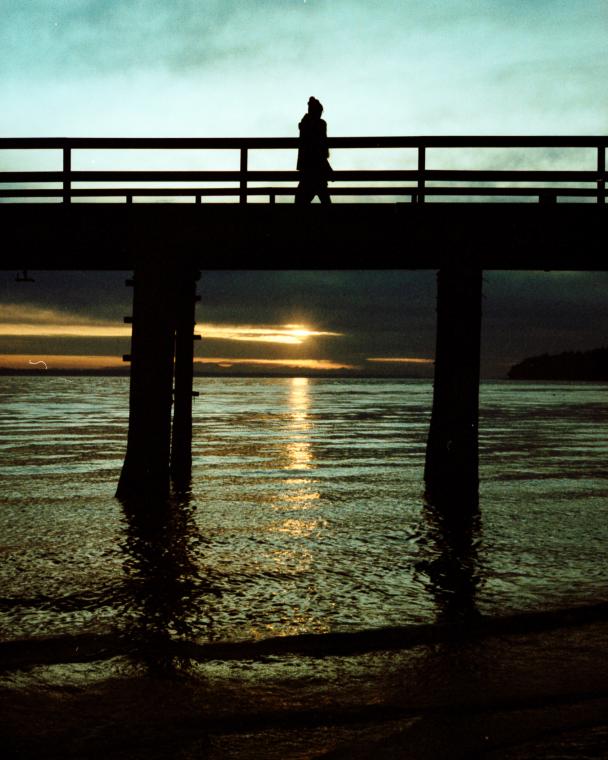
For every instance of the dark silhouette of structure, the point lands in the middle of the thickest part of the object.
(313, 155)
(160, 407)
(451, 469)
(165, 244)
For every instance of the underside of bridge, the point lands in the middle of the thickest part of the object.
(114, 236)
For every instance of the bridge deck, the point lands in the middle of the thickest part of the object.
(110, 236)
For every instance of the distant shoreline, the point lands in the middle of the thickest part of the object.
(575, 366)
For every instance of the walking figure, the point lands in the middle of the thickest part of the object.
(313, 153)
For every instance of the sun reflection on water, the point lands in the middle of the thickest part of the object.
(298, 448)
(298, 492)
(299, 489)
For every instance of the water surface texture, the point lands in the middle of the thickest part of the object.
(306, 511)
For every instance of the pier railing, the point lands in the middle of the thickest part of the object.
(500, 179)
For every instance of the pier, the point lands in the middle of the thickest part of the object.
(167, 225)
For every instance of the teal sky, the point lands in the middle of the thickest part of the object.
(230, 67)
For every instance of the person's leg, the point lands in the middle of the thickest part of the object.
(323, 193)
(304, 193)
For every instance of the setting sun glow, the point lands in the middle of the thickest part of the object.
(24, 321)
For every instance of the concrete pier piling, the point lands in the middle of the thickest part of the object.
(452, 459)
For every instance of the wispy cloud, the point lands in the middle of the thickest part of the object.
(398, 360)
(293, 335)
(64, 331)
(313, 364)
(32, 315)
(20, 320)
(59, 361)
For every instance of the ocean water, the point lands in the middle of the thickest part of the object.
(305, 520)
(306, 513)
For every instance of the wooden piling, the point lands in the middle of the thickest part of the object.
(146, 467)
(452, 460)
(181, 444)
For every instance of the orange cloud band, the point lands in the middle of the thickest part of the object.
(46, 323)
(294, 363)
(73, 361)
(399, 360)
(59, 361)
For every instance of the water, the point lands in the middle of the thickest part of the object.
(305, 516)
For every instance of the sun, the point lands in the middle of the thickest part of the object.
(299, 331)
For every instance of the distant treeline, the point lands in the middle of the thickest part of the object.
(570, 365)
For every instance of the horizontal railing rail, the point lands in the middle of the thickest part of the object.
(67, 184)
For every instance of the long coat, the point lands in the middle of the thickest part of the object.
(313, 152)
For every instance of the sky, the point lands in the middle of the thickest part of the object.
(234, 68)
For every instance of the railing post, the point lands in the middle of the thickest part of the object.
(421, 169)
(67, 168)
(601, 168)
(548, 196)
(243, 183)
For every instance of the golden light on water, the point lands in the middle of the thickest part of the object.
(299, 493)
(299, 452)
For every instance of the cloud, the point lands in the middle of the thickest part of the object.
(34, 316)
(19, 320)
(99, 36)
(242, 362)
(76, 296)
(294, 335)
(59, 361)
(227, 67)
(398, 360)
(377, 314)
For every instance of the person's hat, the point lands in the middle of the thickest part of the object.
(314, 103)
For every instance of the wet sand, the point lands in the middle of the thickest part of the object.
(504, 694)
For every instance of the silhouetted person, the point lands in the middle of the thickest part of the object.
(313, 153)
